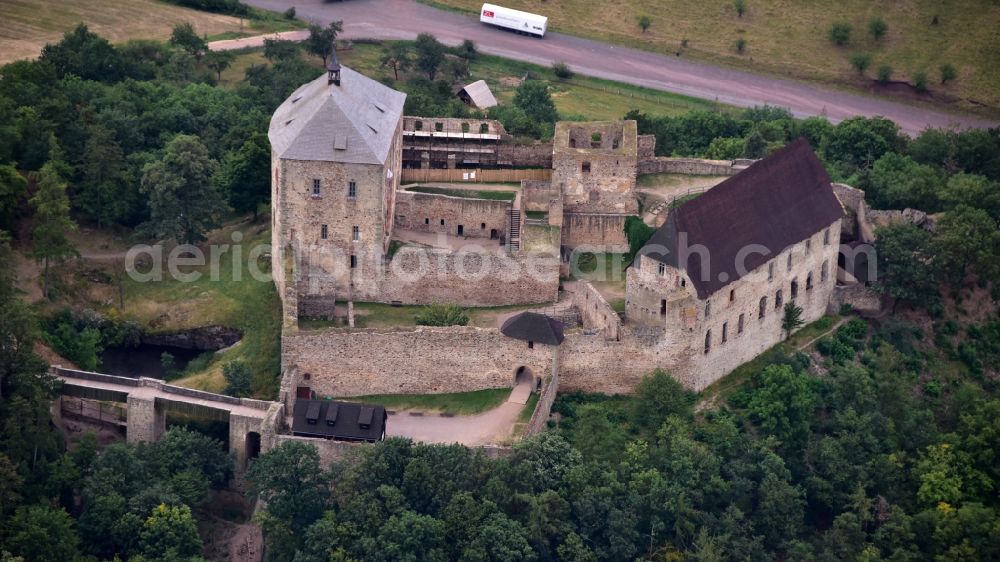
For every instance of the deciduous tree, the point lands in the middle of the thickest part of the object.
(52, 222)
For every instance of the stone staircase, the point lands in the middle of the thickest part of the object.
(515, 230)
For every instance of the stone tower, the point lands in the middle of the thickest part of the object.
(335, 159)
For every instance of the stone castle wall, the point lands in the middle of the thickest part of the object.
(645, 147)
(535, 195)
(605, 232)
(426, 212)
(424, 360)
(690, 166)
(595, 311)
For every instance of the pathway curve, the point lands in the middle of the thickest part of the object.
(404, 19)
(490, 427)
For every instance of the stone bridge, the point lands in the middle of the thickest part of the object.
(253, 424)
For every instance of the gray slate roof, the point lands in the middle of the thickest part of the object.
(480, 94)
(533, 327)
(353, 122)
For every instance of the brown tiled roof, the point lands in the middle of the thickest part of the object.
(776, 202)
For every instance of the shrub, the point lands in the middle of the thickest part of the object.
(948, 73)
(920, 81)
(877, 27)
(290, 13)
(741, 45)
(846, 309)
(238, 376)
(861, 62)
(644, 23)
(840, 33)
(741, 7)
(884, 73)
(562, 70)
(442, 315)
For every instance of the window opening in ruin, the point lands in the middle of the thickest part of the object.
(809, 281)
(418, 125)
(442, 222)
(494, 234)
(531, 345)
(662, 269)
(739, 326)
(770, 271)
(585, 167)
(427, 220)
(460, 230)
(482, 226)
(355, 233)
(663, 307)
(778, 300)
(465, 127)
(354, 261)
(732, 295)
(808, 247)
(484, 128)
(762, 310)
(708, 340)
(725, 331)
(572, 143)
(315, 187)
(439, 127)
(826, 237)
(825, 272)
(795, 289)
(352, 189)
(789, 262)
(683, 282)
(323, 232)
(708, 309)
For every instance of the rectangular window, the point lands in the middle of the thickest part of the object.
(316, 187)
(442, 222)
(708, 309)
(770, 271)
(356, 233)
(789, 261)
(427, 220)
(725, 331)
(662, 269)
(826, 237)
(732, 295)
(739, 326)
(354, 261)
(708, 340)
(663, 307)
(778, 299)
(352, 189)
(323, 232)
(808, 247)
(585, 167)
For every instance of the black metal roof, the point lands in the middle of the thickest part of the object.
(775, 203)
(533, 327)
(348, 421)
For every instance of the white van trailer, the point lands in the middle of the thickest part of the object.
(516, 20)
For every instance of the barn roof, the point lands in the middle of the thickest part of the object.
(480, 95)
(347, 421)
(775, 203)
(533, 327)
(352, 122)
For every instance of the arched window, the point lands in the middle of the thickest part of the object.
(809, 281)
(708, 309)
(778, 301)
(795, 289)
(824, 272)
(762, 309)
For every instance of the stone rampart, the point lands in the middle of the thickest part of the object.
(690, 166)
(427, 212)
(595, 311)
(424, 360)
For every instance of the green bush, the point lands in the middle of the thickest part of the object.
(82, 347)
(562, 70)
(920, 81)
(948, 73)
(442, 315)
(741, 45)
(741, 7)
(884, 73)
(238, 377)
(877, 27)
(840, 33)
(644, 23)
(861, 62)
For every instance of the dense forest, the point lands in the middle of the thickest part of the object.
(884, 446)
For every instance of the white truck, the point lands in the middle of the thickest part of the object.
(516, 20)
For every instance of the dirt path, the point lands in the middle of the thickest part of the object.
(257, 40)
(489, 427)
(404, 19)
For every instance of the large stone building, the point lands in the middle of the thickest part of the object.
(335, 158)
(716, 276)
(705, 294)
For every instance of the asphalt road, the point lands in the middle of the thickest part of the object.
(404, 19)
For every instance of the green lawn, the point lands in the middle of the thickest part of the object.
(460, 403)
(529, 408)
(466, 193)
(789, 38)
(247, 304)
(379, 315)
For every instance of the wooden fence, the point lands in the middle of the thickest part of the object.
(411, 175)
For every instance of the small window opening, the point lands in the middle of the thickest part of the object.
(585, 167)
(762, 308)
(323, 232)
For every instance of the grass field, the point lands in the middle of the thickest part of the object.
(244, 303)
(459, 404)
(378, 315)
(789, 37)
(579, 98)
(27, 25)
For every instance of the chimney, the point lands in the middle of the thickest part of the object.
(333, 68)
